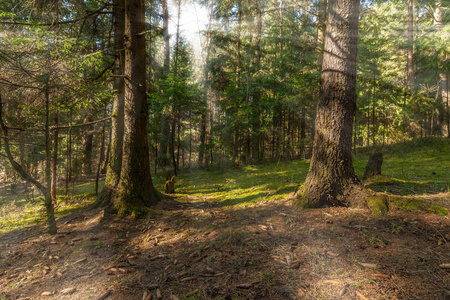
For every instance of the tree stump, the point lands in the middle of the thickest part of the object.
(373, 166)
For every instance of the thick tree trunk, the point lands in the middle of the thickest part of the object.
(331, 179)
(135, 190)
(114, 165)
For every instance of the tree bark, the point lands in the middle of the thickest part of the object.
(48, 203)
(321, 26)
(443, 87)
(135, 190)
(55, 158)
(331, 179)
(165, 122)
(256, 118)
(88, 139)
(410, 65)
(114, 165)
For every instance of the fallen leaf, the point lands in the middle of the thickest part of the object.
(46, 294)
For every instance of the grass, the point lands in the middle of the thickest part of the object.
(411, 169)
(20, 209)
(244, 186)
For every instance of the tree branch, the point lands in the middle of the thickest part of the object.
(79, 125)
(95, 12)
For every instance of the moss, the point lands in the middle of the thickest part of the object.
(408, 203)
(439, 210)
(378, 204)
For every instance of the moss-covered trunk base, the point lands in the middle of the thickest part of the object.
(133, 199)
(339, 192)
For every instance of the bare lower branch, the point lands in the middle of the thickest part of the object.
(14, 164)
(95, 12)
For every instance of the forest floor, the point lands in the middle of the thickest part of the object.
(234, 234)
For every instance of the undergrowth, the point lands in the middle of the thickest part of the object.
(411, 171)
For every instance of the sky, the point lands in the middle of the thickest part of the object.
(193, 19)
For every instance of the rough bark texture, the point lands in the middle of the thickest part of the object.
(135, 190)
(114, 165)
(331, 179)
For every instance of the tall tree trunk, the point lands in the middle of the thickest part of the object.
(135, 190)
(55, 158)
(331, 179)
(443, 87)
(256, 118)
(165, 121)
(48, 203)
(410, 63)
(114, 165)
(206, 113)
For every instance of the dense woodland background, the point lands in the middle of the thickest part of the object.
(250, 97)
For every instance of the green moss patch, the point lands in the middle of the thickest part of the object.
(439, 210)
(378, 204)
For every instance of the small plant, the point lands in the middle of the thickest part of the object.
(373, 241)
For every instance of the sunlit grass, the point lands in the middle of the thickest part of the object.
(22, 210)
(410, 169)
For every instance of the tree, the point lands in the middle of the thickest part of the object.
(114, 165)
(135, 189)
(331, 179)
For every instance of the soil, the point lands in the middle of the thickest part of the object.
(193, 249)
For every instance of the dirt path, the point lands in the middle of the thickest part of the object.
(194, 249)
